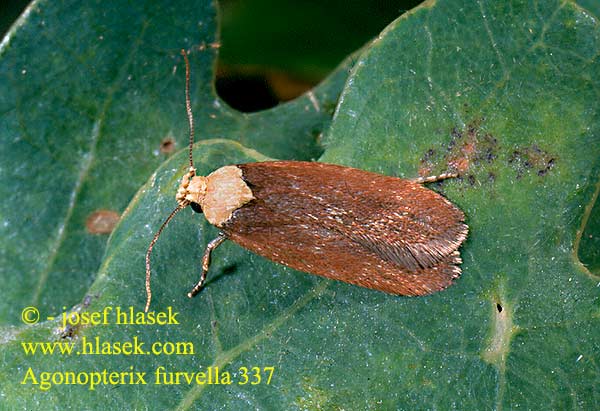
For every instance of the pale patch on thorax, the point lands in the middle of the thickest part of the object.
(226, 191)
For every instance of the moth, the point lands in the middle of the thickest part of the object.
(375, 231)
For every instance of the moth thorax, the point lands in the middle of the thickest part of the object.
(219, 194)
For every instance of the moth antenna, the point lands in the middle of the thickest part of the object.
(151, 246)
(188, 104)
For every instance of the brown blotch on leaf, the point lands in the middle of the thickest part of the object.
(468, 147)
(531, 158)
(425, 171)
(102, 221)
(167, 146)
(427, 161)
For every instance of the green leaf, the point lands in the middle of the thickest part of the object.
(504, 91)
(508, 94)
(588, 249)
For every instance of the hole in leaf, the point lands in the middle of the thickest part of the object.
(270, 46)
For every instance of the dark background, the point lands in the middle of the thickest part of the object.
(273, 50)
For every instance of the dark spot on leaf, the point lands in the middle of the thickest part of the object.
(468, 147)
(72, 329)
(455, 133)
(102, 221)
(167, 146)
(87, 300)
(529, 158)
(69, 332)
(429, 154)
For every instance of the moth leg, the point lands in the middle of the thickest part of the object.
(433, 179)
(206, 262)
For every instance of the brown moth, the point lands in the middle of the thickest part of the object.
(375, 231)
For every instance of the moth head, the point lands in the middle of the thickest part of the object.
(191, 191)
